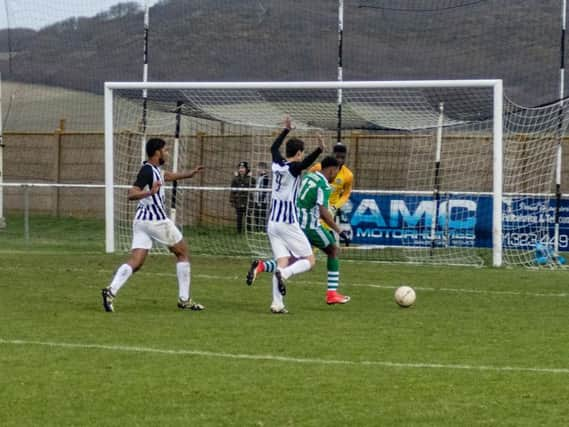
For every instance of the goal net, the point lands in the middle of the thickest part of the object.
(446, 172)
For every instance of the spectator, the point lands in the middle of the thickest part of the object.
(239, 198)
(262, 196)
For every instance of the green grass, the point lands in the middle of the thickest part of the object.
(50, 233)
(481, 347)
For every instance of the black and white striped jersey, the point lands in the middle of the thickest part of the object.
(284, 193)
(286, 182)
(153, 207)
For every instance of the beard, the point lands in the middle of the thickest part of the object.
(161, 161)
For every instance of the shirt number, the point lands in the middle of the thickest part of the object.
(278, 180)
(307, 187)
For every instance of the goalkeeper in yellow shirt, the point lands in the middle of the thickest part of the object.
(343, 183)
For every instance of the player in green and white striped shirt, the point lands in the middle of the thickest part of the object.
(312, 204)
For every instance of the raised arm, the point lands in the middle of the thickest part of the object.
(175, 176)
(275, 148)
(311, 158)
(297, 168)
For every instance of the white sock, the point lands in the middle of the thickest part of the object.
(120, 278)
(277, 297)
(298, 267)
(183, 273)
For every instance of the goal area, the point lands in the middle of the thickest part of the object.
(446, 172)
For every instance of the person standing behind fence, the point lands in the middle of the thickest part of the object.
(239, 198)
(262, 196)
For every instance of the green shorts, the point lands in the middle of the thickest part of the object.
(319, 237)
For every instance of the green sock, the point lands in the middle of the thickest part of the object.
(333, 266)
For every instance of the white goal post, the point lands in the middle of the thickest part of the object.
(497, 114)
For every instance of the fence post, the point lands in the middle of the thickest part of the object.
(26, 212)
(356, 152)
(58, 133)
(201, 137)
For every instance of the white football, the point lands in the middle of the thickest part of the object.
(405, 296)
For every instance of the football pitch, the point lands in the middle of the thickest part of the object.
(480, 347)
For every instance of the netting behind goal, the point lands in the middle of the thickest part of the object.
(422, 157)
(530, 204)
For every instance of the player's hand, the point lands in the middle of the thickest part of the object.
(196, 170)
(287, 122)
(155, 187)
(345, 237)
(320, 140)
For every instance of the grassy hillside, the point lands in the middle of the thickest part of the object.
(294, 40)
(39, 108)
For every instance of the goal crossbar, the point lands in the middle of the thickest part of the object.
(475, 83)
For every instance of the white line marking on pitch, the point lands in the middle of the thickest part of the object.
(393, 287)
(270, 357)
(357, 285)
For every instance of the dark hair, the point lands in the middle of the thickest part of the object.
(339, 148)
(293, 146)
(153, 145)
(329, 161)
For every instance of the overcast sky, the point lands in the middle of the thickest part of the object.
(39, 13)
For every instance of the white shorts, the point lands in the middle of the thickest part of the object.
(287, 240)
(162, 231)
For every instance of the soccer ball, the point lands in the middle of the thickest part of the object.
(405, 296)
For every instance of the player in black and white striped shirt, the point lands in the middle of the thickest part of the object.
(290, 246)
(151, 223)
